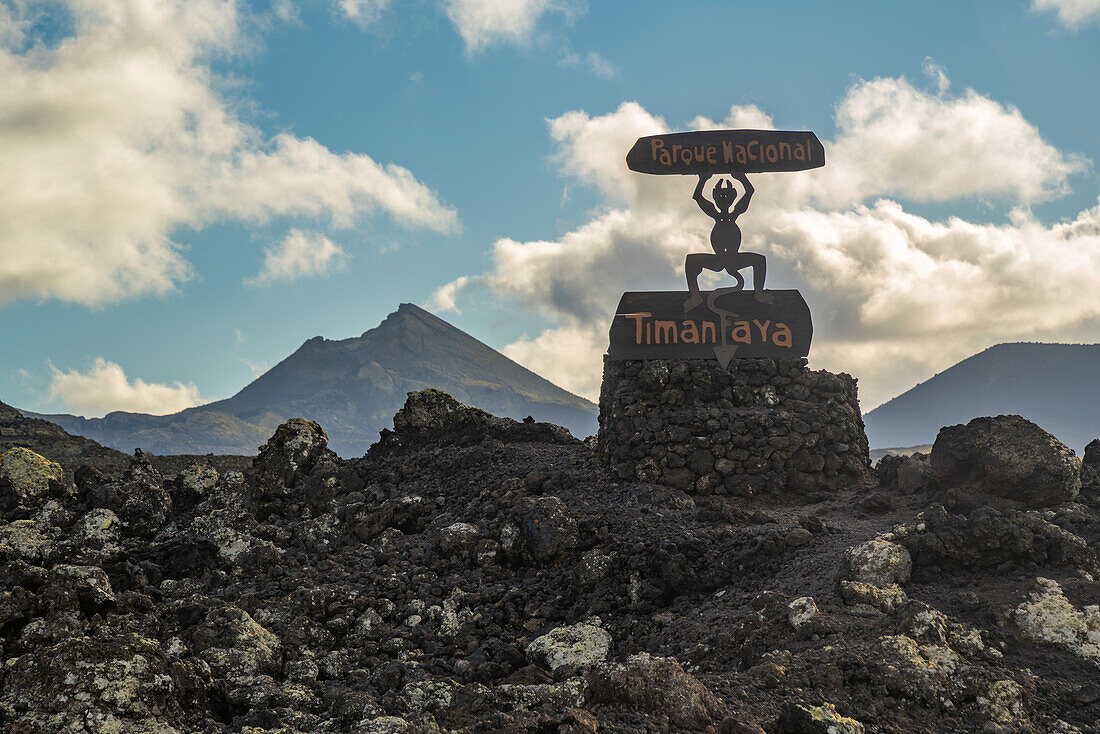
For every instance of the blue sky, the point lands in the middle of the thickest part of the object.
(194, 189)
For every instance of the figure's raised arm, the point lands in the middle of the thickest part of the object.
(707, 207)
(743, 203)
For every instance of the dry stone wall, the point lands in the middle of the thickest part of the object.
(758, 425)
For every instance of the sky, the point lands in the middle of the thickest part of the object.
(190, 189)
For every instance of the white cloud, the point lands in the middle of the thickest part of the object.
(895, 296)
(105, 388)
(1071, 13)
(299, 255)
(445, 298)
(120, 136)
(362, 12)
(483, 23)
(592, 62)
(286, 11)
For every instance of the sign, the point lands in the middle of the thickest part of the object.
(733, 323)
(726, 151)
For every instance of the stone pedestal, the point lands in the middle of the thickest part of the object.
(758, 425)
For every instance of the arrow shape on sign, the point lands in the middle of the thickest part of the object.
(724, 354)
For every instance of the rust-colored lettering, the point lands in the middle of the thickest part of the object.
(656, 145)
(781, 337)
(712, 154)
(742, 333)
(727, 151)
(752, 157)
(689, 334)
(638, 318)
(799, 152)
(666, 332)
(708, 326)
(785, 151)
(741, 155)
(771, 153)
(763, 328)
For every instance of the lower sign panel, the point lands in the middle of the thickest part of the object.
(727, 324)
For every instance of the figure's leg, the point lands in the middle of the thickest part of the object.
(759, 265)
(693, 266)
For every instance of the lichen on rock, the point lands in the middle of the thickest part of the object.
(566, 651)
(28, 473)
(1048, 617)
(878, 562)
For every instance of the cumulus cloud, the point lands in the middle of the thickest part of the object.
(1071, 13)
(592, 62)
(299, 255)
(445, 298)
(105, 388)
(120, 135)
(895, 295)
(362, 12)
(483, 23)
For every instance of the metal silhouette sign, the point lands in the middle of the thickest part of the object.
(727, 322)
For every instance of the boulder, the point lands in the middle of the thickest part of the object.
(434, 416)
(1008, 458)
(593, 567)
(113, 683)
(193, 485)
(457, 538)
(1090, 471)
(802, 612)
(883, 598)
(547, 531)
(655, 685)
(98, 528)
(28, 475)
(235, 645)
(567, 651)
(990, 538)
(91, 583)
(933, 674)
(291, 453)
(1047, 617)
(1001, 704)
(25, 540)
(878, 562)
(922, 623)
(798, 718)
(139, 500)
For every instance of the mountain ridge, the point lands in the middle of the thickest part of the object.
(353, 387)
(1054, 385)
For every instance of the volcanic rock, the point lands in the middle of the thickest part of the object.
(1048, 617)
(139, 499)
(934, 674)
(824, 719)
(28, 475)
(654, 685)
(567, 651)
(988, 538)
(878, 562)
(1008, 458)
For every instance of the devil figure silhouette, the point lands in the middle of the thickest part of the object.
(725, 238)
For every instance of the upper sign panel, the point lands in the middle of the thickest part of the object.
(726, 151)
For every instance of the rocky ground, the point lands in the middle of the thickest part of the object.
(476, 574)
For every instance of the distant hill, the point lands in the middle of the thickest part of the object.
(352, 387)
(1055, 385)
(53, 442)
